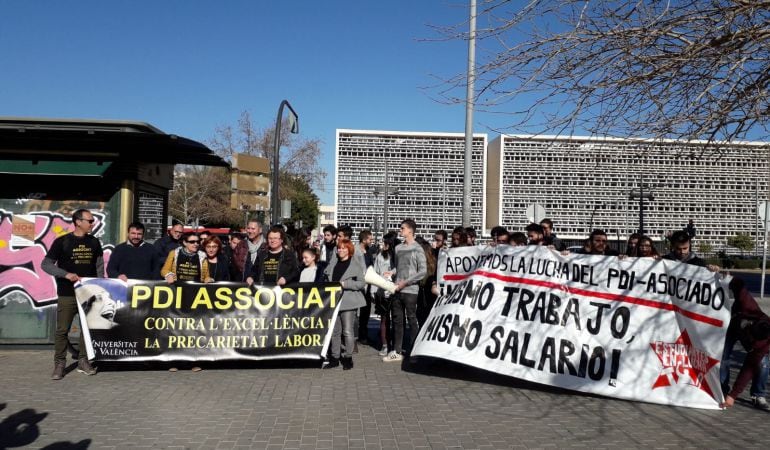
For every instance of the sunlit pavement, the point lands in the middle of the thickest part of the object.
(424, 404)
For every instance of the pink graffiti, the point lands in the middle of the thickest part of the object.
(20, 268)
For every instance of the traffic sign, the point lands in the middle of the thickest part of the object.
(535, 213)
(763, 210)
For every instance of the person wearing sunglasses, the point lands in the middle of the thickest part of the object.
(70, 257)
(186, 263)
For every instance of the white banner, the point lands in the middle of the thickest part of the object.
(632, 328)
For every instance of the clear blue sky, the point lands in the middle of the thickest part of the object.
(190, 66)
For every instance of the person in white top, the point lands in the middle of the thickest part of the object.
(310, 260)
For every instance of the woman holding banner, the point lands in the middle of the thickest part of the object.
(219, 264)
(349, 273)
(186, 263)
(646, 249)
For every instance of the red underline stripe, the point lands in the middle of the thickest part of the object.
(586, 293)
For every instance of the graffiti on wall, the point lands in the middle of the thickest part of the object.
(24, 242)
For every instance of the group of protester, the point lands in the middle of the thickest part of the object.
(403, 258)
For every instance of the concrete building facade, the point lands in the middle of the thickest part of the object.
(586, 183)
(582, 183)
(424, 177)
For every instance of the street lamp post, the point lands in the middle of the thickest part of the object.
(633, 194)
(275, 205)
(385, 190)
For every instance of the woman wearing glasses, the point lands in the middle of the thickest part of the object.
(646, 249)
(219, 264)
(186, 263)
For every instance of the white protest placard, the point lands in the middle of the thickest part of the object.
(635, 328)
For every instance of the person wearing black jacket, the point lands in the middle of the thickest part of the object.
(170, 241)
(365, 240)
(276, 265)
(681, 250)
(219, 263)
(135, 258)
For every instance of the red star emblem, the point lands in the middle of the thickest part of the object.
(683, 364)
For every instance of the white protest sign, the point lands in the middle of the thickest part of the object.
(637, 328)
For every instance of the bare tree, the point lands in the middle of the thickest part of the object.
(689, 69)
(299, 157)
(201, 196)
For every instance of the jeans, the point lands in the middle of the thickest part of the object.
(758, 384)
(66, 308)
(404, 302)
(344, 326)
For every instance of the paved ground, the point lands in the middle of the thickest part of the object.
(375, 405)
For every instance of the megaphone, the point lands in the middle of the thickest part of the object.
(378, 280)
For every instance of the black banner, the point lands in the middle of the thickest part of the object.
(152, 320)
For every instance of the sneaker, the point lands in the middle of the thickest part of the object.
(58, 371)
(760, 403)
(393, 356)
(384, 351)
(85, 367)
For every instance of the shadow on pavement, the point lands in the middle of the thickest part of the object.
(438, 367)
(21, 429)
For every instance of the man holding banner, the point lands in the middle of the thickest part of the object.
(72, 256)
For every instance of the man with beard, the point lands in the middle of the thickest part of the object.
(328, 245)
(535, 234)
(597, 244)
(135, 258)
(681, 250)
(276, 264)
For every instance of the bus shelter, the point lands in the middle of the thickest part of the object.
(122, 171)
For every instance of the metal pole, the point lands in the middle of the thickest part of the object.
(641, 205)
(443, 202)
(275, 205)
(766, 220)
(385, 196)
(756, 222)
(764, 256)
(469, 100)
